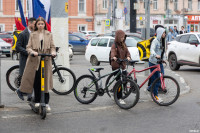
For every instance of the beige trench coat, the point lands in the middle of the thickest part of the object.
(33, 63)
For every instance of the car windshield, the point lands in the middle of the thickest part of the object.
(92, 33)
(5, 36)
(80, 34)
(131, 42)
(136, 38)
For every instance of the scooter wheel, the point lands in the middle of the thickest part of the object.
(43, 112)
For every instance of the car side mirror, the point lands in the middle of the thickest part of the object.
(81, 40)
(194, 42)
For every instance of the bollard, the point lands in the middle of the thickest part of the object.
(1, 106)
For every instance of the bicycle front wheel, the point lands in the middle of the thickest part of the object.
(63, 81)
(85, 89)
(13, 78)
(169, 94)
(126, 94)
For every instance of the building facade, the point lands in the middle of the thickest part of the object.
(171, 13)
(81, 15)
(8, 11)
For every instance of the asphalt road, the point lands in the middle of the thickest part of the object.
(103, 116)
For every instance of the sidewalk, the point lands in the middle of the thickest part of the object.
(66, 104)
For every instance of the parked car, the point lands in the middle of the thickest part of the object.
(5, 48)
(6, 37)
(90, 34)
(184, 50)
(98, 49)
(78, 43)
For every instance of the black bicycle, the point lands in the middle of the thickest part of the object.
(61, 77)
(88, 87)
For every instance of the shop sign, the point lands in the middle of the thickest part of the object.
(193, 18)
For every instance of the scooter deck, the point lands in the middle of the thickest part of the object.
(36, 110)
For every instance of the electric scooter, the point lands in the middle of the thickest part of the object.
(42, 108)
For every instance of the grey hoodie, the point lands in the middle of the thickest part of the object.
(156, 46)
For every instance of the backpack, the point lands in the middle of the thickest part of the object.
(144, 48)
(110, 54)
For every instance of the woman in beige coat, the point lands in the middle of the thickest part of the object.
(40, 41)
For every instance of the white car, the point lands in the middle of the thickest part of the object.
(98, 49)
(4, 48)
(90, 34)
(184, 50)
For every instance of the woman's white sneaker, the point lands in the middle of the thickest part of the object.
(37, 105)
(121, 101)
(48, 108)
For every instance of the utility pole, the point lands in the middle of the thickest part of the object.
(147, 23)
(59, 28)
(132, 16)
(113, 15)
(1, 106)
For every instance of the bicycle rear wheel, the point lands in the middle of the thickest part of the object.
(85, 89)
(130, 94)
(169, 94)
(13, 78)
(61, 79)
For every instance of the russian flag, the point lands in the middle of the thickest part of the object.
(39, 8)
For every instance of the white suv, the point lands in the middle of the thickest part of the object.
(98, 49)
(184, 50)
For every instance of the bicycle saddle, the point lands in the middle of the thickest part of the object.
(97, 69)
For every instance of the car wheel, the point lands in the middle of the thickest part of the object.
(173, 62)
(94, 61)
(7, 55)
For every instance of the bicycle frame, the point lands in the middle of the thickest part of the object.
(101, 77)
(157, 68)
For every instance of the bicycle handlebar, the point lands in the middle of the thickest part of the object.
(42, 55)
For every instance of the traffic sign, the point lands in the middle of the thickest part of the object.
(107, 22)
(125, 10)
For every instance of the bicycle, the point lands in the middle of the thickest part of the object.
(167, 92)
(88, 87)
(61, 76)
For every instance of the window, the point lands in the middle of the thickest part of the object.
(175, 5)
(178, 38)
(74, 38)
(155, 4)
(82, 28)
(103, 42)
(193, 38)
(199, 5)
(94, 42)
(184, 39)
(131, 43)
(17, 6)
(111, 42)
(166, 4)
(105, 4)
(81, 6)
(1, 5)
(2, 27)
(190, 5)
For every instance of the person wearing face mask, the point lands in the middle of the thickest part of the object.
(21, 44)
(157, 51)
(40, 42)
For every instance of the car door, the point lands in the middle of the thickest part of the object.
(78, 43)
(193, 49)
(101, 49)
(181, 48)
